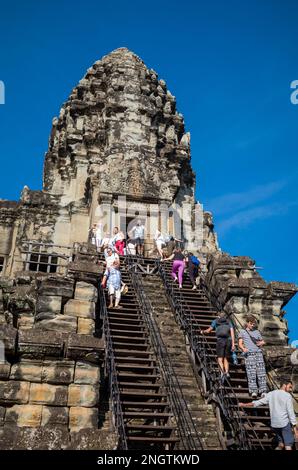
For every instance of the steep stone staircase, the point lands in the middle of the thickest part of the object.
(174, 339)
(144, 397)
(142, 401)
(253, 423)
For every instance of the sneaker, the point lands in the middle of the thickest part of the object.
(180, 286)
(228, 375)
(254, 395)
(263, 394)
(194, 288)
(175, 279)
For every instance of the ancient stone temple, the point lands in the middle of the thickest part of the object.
(119, 152)
(118, 135)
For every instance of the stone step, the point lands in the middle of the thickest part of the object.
(174, 340)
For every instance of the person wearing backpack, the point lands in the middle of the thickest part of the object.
(193, 264)
(225, 341)
(250, 343)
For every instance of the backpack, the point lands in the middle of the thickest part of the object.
(222, 328)
(195, 260)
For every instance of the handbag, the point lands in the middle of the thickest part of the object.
(255, 341)
(124, 289)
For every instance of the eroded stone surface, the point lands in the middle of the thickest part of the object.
(80, 308)
(54, 415)
(85, 291)
(24, 415)
(12, 392)
(47, 394)
(86, 373)
(82, 395)
(119, 133)
(82, 418)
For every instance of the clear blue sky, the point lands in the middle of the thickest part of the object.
(230, 65)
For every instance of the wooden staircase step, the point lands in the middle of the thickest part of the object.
(144, 404)
(130, 352)
(139, 385)
(150, 427)
(151, 439)
(146, 415)
(123, 361)
(127, 319)
(122, 326)
(151, 377)
(143, 395)
(135, 346)
(130, 340)
(128, 333)
(133, 367)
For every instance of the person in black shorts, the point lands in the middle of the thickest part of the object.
(138, 235)
(225, 343)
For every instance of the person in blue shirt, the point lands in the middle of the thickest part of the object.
(113, 276)
(225, 343)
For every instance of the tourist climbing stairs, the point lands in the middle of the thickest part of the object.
(200, 414)
(142, 411)
(244, 428)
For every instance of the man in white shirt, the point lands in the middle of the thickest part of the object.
(283, 419)
(139, 234)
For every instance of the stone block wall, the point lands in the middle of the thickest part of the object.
(50, 373)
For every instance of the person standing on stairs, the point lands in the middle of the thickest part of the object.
(225, 341)
(106, 242)
(250, 343)
(193, 264)
(92, 234)
(118, 241)
(178, 265)
(113, 277)
(159, 243)
(139, 236)
(171, 243)
(283, 419)
(111, 258)
(98, 235)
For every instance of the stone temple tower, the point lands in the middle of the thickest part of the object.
(118, 152)
(118, 138)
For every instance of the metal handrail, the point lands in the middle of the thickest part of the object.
(186, 428)
(203, 351)
(272, 383)
(112, 374)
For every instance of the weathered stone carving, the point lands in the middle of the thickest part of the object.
(118, 134)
